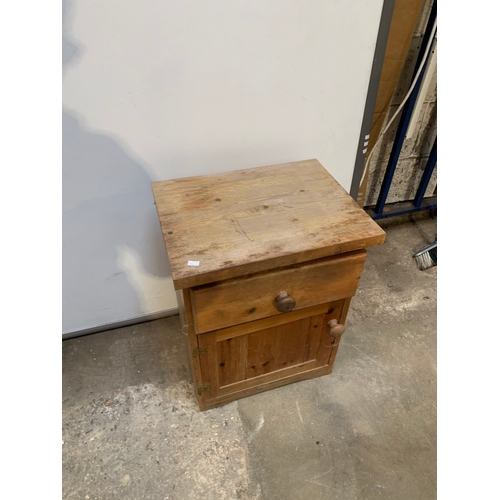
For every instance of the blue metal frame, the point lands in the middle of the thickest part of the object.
(380, 211)
(426, 177)
(403, 208)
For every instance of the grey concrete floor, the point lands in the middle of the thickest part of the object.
(131, 428)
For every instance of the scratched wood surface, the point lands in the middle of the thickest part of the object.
(257, 219)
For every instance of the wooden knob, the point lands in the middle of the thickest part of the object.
(284, 302)
(336, 330)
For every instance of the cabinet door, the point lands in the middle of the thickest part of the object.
(254, 357)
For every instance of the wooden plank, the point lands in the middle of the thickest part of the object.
(292, 343)
(258, 219)
(404, 19)
(326, 342)
(232, 360)
(277, 348)
(265, 386)
(208, 363)
(185, 312)
(182, 307)
(345, 310)
(261, 357)
(193, 309)
(314, 336)
(315, 332)
(264, 378)
(251, 298)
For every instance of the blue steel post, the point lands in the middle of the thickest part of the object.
(405, 119)
(426, 177)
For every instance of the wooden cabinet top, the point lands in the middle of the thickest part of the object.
(232, 224)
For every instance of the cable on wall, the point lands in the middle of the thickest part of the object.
(417, 75)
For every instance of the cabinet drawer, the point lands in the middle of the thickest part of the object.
(253, 297)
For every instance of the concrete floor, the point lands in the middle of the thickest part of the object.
(131, 428)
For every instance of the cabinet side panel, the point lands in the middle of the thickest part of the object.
(186, 316)
(208, 361)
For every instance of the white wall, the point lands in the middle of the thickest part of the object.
(161, 89)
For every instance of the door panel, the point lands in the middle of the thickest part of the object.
(232, 359)
(251, 359)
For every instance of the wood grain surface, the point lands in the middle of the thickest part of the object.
(251, 220)
(250, 298)
(256, 357)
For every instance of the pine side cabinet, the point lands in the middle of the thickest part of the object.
(265, 262)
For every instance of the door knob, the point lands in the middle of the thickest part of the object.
(336, 330)
(284, 302)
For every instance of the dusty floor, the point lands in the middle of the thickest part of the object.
(131, 428)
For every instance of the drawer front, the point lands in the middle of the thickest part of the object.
(250, 298)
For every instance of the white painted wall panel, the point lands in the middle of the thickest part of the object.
(163, 89)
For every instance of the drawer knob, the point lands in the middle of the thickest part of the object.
(336, 330)
(284, 302)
